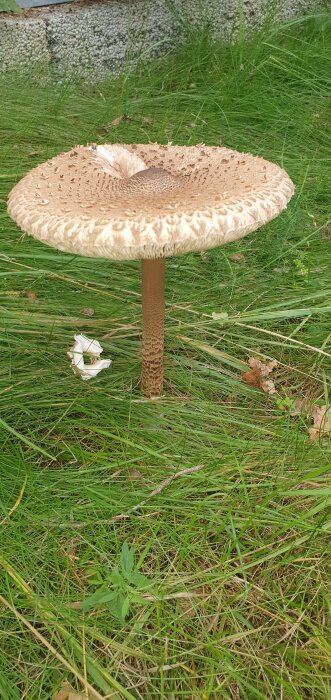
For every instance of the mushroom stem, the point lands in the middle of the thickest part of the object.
(152, 291)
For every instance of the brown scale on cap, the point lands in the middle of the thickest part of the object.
(148, 201)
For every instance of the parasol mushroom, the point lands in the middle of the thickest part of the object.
(148, 201)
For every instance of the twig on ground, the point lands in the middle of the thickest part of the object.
(155, 492)
(181, 595)
(164, 485)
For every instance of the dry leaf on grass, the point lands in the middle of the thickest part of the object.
(115, 122)
(118, 120)
(134, 474)
(256, 376)
(269, 387)
(237, 257)
(67, 692)
(104, 128)
(31, 295)
(321, 416)
(299, 407)
(87, 312)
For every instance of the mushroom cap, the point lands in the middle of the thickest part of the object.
(125, 202)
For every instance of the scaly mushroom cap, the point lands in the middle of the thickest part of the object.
(147, 201)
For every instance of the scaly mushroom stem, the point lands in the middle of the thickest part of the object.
(152, 290)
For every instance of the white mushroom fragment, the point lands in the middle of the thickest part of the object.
(93, 349)
(148, 201)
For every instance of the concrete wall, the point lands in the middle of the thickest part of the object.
(94, 38)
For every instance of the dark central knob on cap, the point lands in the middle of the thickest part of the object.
(151, 181)
(152, 172)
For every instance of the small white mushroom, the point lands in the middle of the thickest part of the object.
(93, 349)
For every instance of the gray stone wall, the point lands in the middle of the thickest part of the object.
(102, 37)
(92, 39)
(22, 42)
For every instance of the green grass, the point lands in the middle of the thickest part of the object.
(237, 552)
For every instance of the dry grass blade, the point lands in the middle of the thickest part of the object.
(215, 352)
(16, 504)
(52, 649)
(294, 341)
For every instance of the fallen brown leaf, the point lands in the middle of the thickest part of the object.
(299, 407)
(237, 257)
(268, 386)
(321, 416)
(256, 375)
(118, 120)
(134, 474)
(31, 295)
(87, 312)
(67, 692)
(104, 128)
